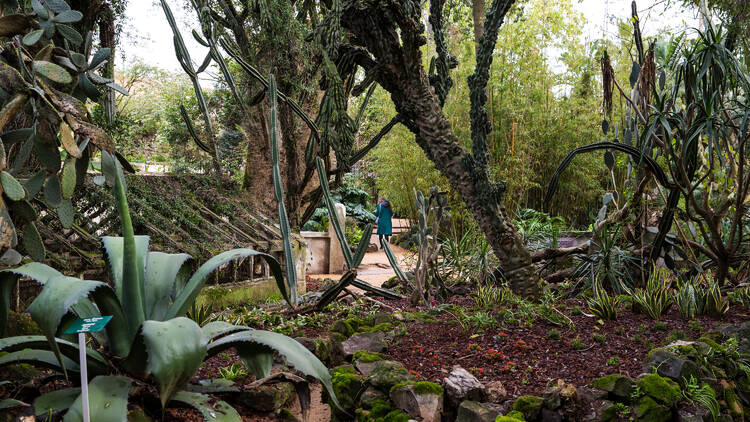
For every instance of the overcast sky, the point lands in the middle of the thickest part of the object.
(149, 37)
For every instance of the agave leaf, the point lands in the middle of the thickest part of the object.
(108, 400)
(133, 258)
(295, 353)
(185, 299)
(39, 358)
(96, 361)
(56, 299)
(36, 271)
(215, 329)
(175, 350)
(11, 187)
(216, 385)
(118, 330)
(113, 247)
(212, 410)
(257, 357)
(55, 401)
(159, 282)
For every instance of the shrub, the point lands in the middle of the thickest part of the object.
(656, 299)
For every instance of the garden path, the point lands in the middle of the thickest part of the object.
(375, 268)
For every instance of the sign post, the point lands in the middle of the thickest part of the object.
(82, 326)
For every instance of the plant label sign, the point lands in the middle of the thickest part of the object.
(88, 325)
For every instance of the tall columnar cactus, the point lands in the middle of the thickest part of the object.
(430, 213)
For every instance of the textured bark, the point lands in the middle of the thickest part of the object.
(392, 33)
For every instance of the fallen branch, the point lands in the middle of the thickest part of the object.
(552, 253)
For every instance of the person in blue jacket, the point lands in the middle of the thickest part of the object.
(384, 213)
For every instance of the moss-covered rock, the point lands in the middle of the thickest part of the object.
(513, 416)
(370, 397)
(471, 411)
(529, 406)
(664, 390)
(381, 411)
(347, 385)
(368, 357)
(269, 397)
(422, 387)
(20, 324)
(618, 386)
(648, 410)
(388, 373)
(343, 327)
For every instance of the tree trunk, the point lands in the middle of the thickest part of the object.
(477, 12)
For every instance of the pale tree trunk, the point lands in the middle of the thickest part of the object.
(477, 13)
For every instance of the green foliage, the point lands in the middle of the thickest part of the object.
(537, 228)
(655, 299)
(713, 301)
(234, 372)
(602, 304)
(467, 256)
(147, 336)
(695, 392)
(489, 296)
(688, 298)
(357, 202)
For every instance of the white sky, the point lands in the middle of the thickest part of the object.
(149, 37)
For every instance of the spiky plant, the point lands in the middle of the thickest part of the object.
(655, 299)
(148, 341)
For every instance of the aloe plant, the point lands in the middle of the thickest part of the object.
(148, 338)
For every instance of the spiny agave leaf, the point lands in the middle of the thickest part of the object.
(100, 57)
(66, 213)
(33, 37)
(32, 243)
(295, 353)
(12, 25)
(257, 358)
(186, 298)
(52, 71)
(53, 191)
(57, 6)
(39, 358)
(69, 349)
(70, 34)
(114, 250)
(212, 410)
(216, 385)
(215, 329)
(108, 400)
(11, 187)
(159, 284)
(56, 299)
(68, 16)
(55, 401)
(175, 349)
(34, 184)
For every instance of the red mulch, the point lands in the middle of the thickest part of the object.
(432, 348)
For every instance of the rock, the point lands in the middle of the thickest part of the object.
(472, 411)
(460, 385)
(342, 327)
(365, 361)
(530, 406)
(649, 410)
(422, 400)
(513, 416)
(388, 373)
(382, 318)
(670, 365)
(370, 397)
(664, 390)
(372, 247)
(308, 343)
(496, 392)
(347, 385)
(618, 386)
(370, 342)
(693, 416)
(268, 397)
(548, 415)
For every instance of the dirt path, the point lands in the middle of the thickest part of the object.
(375, 268)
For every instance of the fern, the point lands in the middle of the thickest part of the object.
(702, 394)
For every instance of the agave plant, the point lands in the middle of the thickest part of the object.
(148, 339)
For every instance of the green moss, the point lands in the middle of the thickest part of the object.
(618, 386)
(529, 406)
(381, 412)
(343, 327)
(513, 416)
(21, 324)
(422, 387)
(384, 327)
(347, 385)
(366, 357)
(388, 373)
(662, 389)
(651, 411)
